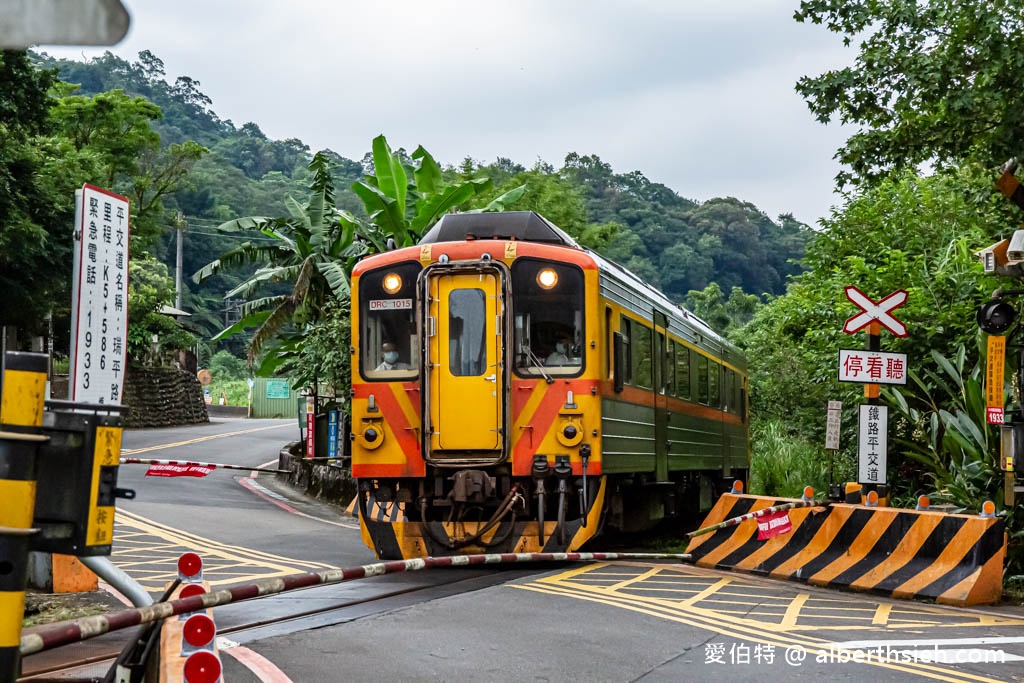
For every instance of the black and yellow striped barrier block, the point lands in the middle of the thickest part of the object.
(953, 559)
(21, 417)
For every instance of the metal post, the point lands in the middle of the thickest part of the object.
(21, 421)
(179, 224)
(112, 574)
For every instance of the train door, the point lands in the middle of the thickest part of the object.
(465, 374)
(661, 373)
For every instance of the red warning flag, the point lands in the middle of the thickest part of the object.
(188, 470)
(774, 525)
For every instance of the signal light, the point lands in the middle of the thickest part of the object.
(988, 509)
(808, 493)
(190, 568)
(996, 316)
(190, 590)
(923, 502)
(202, 667)
(737, 487)
(199, 631)
(872, 499)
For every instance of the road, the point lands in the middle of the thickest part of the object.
(227, 517)
(621, 621)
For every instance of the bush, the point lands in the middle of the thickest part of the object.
(225, 366)
(782, 463)
(236, 390)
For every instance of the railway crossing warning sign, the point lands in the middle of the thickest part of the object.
(874, 425)
(876, 310)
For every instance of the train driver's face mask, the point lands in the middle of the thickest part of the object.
(390, 356)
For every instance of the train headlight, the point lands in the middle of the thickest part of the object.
(392, 283)
(547, 278)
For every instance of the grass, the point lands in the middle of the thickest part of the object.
(44, 608)
(782, 464)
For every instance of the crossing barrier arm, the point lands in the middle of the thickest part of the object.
(66, 632)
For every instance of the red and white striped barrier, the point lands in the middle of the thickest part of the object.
(189, 468)
(754, 515)
(47, 637)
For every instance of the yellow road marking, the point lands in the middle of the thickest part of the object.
(793, 610)
(882, 614)
(707, 592)
(223, 563)
(147, 449)
(740, 632)
(636, 578)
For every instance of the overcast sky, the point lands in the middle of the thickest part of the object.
(695, 94)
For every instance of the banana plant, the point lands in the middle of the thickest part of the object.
(948, 431)
(314, 248)
(404, 202)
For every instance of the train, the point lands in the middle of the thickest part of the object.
(513, 391)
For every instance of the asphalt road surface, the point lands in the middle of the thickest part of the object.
(621, 621)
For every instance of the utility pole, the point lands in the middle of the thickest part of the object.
(179, 223)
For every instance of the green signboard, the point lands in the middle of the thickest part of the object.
(278, 388)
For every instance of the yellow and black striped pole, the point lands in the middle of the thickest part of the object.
(21, 421)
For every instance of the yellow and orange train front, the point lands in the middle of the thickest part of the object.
(476, 407)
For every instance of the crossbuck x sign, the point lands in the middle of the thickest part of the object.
(871, 310)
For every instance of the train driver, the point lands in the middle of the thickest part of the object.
(391, 362)
(563, 347)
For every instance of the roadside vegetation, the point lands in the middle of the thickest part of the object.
(933, 91)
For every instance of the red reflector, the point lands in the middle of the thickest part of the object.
(198, 630)
(191, 589)
(190, 564)
(202, 667)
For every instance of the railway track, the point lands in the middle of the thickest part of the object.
(280, 614)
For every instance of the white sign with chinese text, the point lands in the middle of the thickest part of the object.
(874, 425)
(872, 367)
(835, 414)
(99, 317)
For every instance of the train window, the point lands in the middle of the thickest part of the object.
(641, 345)
(729, 391)
(682, 371)
(668, 366)
(608, 362)
(702, 379)
(389, 345)
(714, 384)
(547, 302)
(627, 337)
(466, 327)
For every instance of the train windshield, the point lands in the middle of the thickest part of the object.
(547, 301)
(389, 345)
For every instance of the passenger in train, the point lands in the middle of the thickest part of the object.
(390, 354)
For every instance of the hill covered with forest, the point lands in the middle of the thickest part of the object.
(675, 243)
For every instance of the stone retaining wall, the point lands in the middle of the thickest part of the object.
(163, 397)
(316, 477)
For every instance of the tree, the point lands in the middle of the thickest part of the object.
(150, 287)
(724, 315)
(911, 233)
(34, 249)
(934, 81)
(314, 250)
